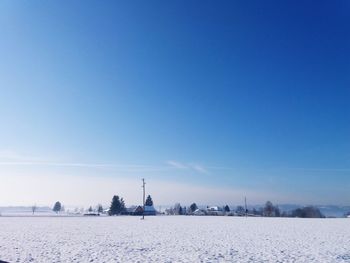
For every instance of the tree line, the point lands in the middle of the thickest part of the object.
(268, 210)
(118, 207)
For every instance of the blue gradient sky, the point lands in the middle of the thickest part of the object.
(233, 96)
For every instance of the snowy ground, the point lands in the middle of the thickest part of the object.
(173, 239)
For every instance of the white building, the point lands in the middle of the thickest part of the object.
(215, 211)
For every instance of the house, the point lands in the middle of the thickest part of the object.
(106, 211)
(150, 211)
(134, 210)
(199, 212)
(138, 211)
(215, 211)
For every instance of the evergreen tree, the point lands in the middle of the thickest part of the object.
(227, 208)
(99, 208)
(180, 211)
(122, 205)
(307, 212)
(149, 201)
(193, 207)
(115, 206)
(57, 207)
(90, 209)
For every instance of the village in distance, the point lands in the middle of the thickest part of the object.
(118, 207)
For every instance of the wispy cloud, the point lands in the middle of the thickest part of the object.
(16, 160)
(123, 167)
(199, 168)
(190, 166)
(12, 158)
(177, 165)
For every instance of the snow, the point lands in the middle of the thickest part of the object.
(173, 239)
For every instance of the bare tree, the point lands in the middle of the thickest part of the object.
(177, 209)
(240, 211)
(34, 208)
(269, 209)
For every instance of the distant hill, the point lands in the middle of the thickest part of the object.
(327, 210)
(336, 211)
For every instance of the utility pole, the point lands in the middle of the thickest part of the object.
(245, 204)
(144, 193)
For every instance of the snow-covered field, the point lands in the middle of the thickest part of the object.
(173, 239)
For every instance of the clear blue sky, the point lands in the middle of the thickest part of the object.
(252, 97)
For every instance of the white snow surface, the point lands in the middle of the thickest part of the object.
(173, 239)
